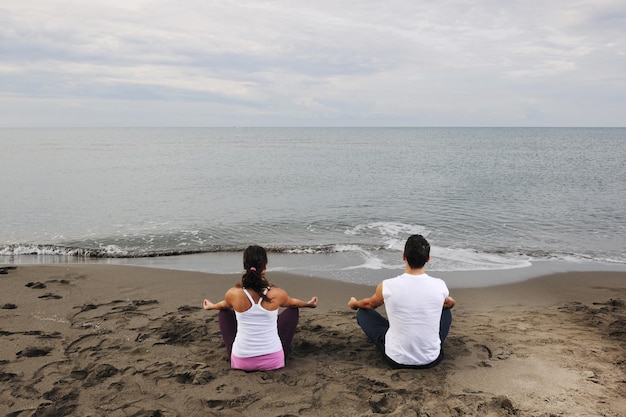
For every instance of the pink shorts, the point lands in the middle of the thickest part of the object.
(267, 362)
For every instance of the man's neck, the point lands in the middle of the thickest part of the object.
(414, 271)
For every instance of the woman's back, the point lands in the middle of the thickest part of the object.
(257, 332)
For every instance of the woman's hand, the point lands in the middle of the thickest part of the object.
(225, 304)
(312, 303)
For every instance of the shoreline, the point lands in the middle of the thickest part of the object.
(336, 267)
(111, 340)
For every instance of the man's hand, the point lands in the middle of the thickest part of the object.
(449, 302)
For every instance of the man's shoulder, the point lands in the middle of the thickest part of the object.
(408, 279)
(399, 280)
(396, 278)
(430, 276)
(438, 283)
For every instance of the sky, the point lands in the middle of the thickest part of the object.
(96, 63)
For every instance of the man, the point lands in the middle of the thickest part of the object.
(418, 307)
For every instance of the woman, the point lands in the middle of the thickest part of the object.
(257, 338)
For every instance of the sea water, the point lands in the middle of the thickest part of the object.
(333, 202)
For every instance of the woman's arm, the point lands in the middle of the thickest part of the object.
(225, 304)
(287, 301)
(294, 302)
(449, 302)
(222, 305)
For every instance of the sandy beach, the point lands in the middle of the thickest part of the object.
(103, 340)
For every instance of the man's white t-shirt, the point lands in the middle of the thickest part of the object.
(413, 304)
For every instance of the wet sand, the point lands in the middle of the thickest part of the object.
(105, 340)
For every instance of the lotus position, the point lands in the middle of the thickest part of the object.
(418, 307)
(256, 336)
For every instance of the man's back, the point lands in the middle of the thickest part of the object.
(418, 310)
(413, 304)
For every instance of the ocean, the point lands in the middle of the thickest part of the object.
(329, 202)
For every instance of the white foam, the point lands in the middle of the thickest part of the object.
(442, 259)
(450, 259)
(371, 262)
(347, 248)
(389, 229)
(113, 250)
(31, 250)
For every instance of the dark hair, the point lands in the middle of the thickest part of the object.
(254, 262)
(416, 251)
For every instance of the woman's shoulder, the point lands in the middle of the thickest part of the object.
(277, 295)
(275, 291)
(234, 292)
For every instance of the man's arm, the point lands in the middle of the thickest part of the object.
(368, 303)
(449, 302)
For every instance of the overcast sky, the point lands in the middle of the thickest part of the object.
(312, 63)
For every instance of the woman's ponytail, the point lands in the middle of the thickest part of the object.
(255, 262)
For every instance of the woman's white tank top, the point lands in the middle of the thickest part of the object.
(257, 331)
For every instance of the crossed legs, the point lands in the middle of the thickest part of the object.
(375, 327)
(287, 322)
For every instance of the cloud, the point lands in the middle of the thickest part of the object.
(312, 63)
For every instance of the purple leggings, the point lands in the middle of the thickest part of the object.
(287, 322)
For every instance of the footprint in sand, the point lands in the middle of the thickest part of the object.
(33, 352)
(50, 296)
